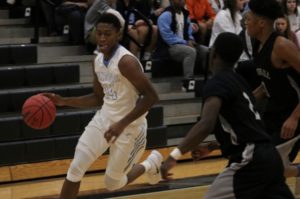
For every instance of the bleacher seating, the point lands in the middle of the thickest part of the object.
(46, 144)
(18, 54)
(38, 75)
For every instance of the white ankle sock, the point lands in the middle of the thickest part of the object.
(147, 165)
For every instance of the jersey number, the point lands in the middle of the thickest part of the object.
(251, 107)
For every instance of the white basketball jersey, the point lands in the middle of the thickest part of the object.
(120, 96)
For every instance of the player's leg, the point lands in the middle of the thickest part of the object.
(90, 146)
(284, 150)
(122, 167)
(278, 191)
(249, 174)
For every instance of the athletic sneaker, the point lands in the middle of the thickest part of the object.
(155, 159)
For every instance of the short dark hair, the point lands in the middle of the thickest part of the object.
(270, 9)
(229, 47)
(110, 19)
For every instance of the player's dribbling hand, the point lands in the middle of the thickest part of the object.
(166, 167)
(113, 132)
(55, 98)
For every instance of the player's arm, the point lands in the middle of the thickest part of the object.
(287, 51)
(130, 68)
(196, 135)
(90, 100)
(285, 54)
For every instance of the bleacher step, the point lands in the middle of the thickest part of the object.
(27, 40)
(65, 59)
(182, 119)
(181, 107)
(14, 22)
(4, 14)
(176, 95)
(15, 31)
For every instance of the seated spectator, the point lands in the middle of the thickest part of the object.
(48, 8)
(202, 13)
(158, 7)
(282, 25)
(175, 38)
(292, 10)
(217, 5)
(228, 19)
(137, 28)
(69, 17)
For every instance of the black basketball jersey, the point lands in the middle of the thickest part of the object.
(281, 84)
(240, 121)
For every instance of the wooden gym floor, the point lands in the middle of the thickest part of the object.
(191, 180)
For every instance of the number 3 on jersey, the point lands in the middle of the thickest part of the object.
(251, 107)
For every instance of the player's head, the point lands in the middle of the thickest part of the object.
(227, 49)
(262, 15)
(270, 9)
(108, 32)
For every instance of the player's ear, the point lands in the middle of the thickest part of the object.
(120, 34)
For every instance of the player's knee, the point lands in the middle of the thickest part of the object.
(79, 166)
(112, 184)
(75, 172)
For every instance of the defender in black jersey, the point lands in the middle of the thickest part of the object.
(278, 65)
(254, 170)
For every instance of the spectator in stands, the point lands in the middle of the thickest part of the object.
(202, 14)
(69, 18)
(254, 168)
(95, 11)
(292, 10)
(228, 19)
(137, 28)
(217, 5)
(282, 26)
(175, 39)
(158, 6)
(48, 7)
(124, 94)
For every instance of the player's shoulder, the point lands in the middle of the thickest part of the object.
(281, 43)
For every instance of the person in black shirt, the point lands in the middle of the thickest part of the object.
(278, 65)
(243, 138)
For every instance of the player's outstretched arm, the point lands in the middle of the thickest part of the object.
(90, 100)
(196, 135)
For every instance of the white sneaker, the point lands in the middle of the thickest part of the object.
(155, 159)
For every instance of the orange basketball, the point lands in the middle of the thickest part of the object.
(38, 112)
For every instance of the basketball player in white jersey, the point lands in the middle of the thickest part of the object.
(125, 94)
